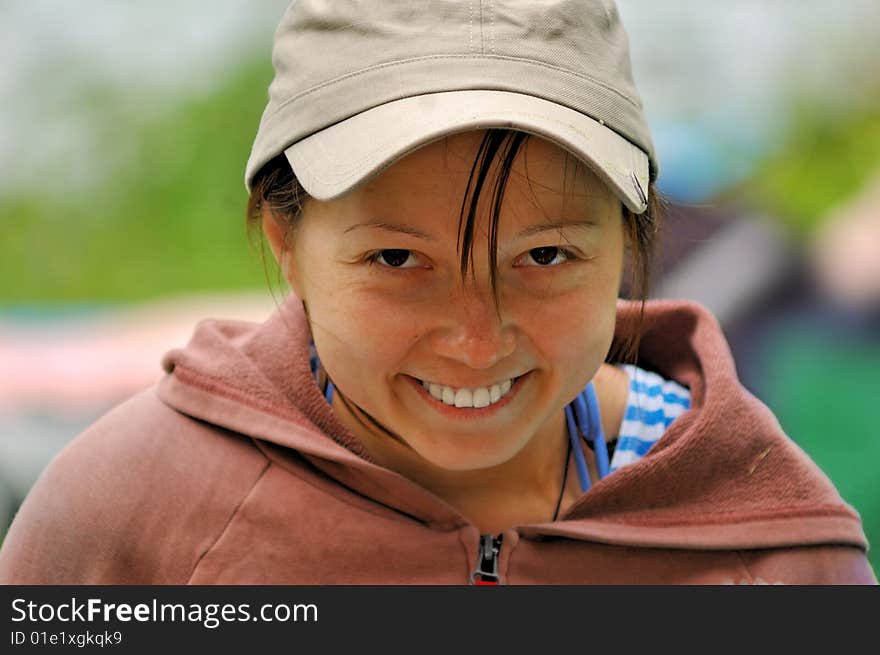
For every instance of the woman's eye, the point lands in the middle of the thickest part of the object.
(394, 258)
(547, 256)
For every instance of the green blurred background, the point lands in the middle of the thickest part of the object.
(152, 203)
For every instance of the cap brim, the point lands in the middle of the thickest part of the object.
(333, 161)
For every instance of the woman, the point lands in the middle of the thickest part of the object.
(453, 392)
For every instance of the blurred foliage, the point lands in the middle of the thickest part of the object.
(825, 398)
(169, 218)
(825, 159)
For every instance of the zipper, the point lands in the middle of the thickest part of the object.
(487, 561)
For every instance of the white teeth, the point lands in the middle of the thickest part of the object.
(479, 398)
(463, 398)
(448, 396)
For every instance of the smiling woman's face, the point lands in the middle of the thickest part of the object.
(379, 271)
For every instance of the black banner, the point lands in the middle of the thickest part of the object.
(144, 619)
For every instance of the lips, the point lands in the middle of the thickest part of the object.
(469, 412)
(477, 397)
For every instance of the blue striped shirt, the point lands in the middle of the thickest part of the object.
(653, 404)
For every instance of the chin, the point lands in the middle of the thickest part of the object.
(467, 459)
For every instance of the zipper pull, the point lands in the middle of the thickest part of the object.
(487, 561)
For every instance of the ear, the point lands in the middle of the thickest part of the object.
(276, 236)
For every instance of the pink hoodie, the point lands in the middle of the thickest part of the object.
(235, 470)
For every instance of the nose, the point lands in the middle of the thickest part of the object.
(472, 332)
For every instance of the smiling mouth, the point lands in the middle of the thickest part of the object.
(469, 398)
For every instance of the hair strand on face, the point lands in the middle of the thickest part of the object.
(508, 143)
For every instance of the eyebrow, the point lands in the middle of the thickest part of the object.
(559, 226)
(529, 231)
(391, 227)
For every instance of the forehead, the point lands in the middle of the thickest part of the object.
(541, 163)
(427, 187)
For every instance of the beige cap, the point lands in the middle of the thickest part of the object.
(359, 84)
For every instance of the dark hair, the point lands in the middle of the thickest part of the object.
(276, 186)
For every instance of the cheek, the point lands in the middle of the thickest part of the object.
(361, 334)
(568, 327)
(576, 311)
(572, 332)
(352, 327)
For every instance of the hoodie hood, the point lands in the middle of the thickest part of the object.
(723, 476)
